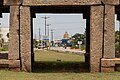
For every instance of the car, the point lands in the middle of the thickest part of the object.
(41, 46)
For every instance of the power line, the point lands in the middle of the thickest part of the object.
(63, 23)
(67, 23)
(69, 28)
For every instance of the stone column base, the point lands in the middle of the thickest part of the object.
(108, 65)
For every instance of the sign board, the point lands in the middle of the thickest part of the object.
(45, 38)
(80, 42)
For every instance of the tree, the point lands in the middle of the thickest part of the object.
(35, 43)
(78, 37)
(117, 41)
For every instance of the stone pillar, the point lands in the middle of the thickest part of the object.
(25, 38)
(109, 38)
(96, 37)
(14, 34)
(109, 32)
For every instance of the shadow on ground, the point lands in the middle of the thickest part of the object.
(3, 55)
(59, 67)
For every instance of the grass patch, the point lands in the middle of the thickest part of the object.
(10, 75)
(52, 61)
(45, 55)
(65, 64)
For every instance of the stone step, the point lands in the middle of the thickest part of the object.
(111, 61)
(4, 63)
(10, 63)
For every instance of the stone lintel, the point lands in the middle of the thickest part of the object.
(60, 2)
(111, 2)
(96, 37)
(14, 33)
(25, 38)
(12, 2)
(109, 32)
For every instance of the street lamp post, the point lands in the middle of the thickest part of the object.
(48, 35)
(51, 34)
(48, 29)
(45, 22)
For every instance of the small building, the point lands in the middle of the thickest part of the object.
(66, 35)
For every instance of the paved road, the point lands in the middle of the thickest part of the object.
(61, 49)
(67, 50)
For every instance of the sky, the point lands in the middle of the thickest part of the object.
(60, 23)
(72, 23)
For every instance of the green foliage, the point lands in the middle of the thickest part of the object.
(53, 61)
(44, 55)
(74, 47)
(83, 47)
(35, 43)
(3, 49)
(78, 37)
(117, 41)
(14, 75)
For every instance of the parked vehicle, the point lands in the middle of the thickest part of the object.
(41, 46)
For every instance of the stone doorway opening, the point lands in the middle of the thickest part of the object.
(117, 32)
(117, 36)
(4, 35)
(64, 10)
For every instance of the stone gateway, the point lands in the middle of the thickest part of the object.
(100, 30)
